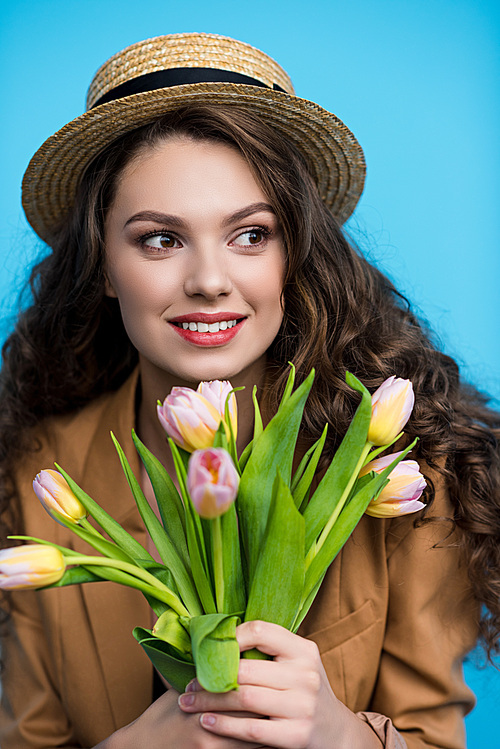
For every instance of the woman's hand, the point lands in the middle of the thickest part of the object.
(292, 691)
(164, 726)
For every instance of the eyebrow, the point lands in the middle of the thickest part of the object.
(171, 220)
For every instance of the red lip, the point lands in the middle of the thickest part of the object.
(208, 317)
(208, 339)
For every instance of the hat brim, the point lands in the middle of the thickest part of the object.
(52, 176)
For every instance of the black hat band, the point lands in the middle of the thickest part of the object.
(178, 77)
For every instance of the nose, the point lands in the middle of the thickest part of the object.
(207, 275)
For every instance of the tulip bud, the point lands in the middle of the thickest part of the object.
(30, 566)
(392, 404)
(56, 497)
(189, 419)
(400, 496)
(217, 392)
(212, 481)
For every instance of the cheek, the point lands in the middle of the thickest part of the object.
(140, 287)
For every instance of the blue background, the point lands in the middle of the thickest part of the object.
(416, 81)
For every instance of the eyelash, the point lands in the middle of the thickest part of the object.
(142, 240)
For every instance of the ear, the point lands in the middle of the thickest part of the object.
(108, 287)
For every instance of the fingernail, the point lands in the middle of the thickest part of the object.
(207, 719)
(191, 686)
(186, 700)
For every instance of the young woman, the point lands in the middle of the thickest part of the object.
(198, 189)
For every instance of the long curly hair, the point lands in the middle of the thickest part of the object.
(341, 314)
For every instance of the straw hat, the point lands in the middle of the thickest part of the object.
(157, 75)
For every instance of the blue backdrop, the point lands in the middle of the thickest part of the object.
(416, 81)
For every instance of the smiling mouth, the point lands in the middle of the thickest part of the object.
(204, 327)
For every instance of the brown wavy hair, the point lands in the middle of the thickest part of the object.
(341, 314)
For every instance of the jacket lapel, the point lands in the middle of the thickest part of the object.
(126, 670)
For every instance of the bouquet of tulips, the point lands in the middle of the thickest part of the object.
(243, 538)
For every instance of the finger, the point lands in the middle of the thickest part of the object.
(274, 640)
(257, 700)
(275, 733)
(273, 674)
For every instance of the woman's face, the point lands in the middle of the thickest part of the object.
(194, 254)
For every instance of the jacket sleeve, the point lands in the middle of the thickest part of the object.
(31, 712)
(432, 623)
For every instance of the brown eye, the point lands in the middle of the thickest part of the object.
(254, 237)
(167, 241)
(251, 238)
(161, 241)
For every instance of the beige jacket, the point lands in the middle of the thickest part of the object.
(392, 620)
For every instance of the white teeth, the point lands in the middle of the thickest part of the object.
(203, 327)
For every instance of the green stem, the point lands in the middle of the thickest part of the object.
(218, 563)
(84, 523)
(160, 591)
(315, 547)
(381, 449)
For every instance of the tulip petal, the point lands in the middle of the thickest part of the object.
(189, 419)
(212, 481)
(392, 405)
(30, 566)
(56, 497)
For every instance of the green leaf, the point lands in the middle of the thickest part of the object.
(234, 582)
(231, 448)
(336, 478)
(276, 589)
(170, 662)
(289, 385)
(167, 497)
(342, 529)
(306, 471)
(199, 567)
(43, 542)
(220, 439)
(76, 576)
(114, 530)
(216, 651)
(274, 450)
(161, 539)
(195, 538)
(247, 451)
(100, 544)
(169, 628)
(258, 427)
(306, 605)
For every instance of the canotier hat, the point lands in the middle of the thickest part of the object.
(155, 76)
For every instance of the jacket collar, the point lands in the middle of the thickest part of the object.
(103, 479)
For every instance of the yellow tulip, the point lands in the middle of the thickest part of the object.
(190, 418)
(392, 405)
(56, 497)
(30, 566)
(401, 495)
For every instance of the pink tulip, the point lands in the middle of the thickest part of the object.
(392, 405)
(56, 497)
(212, 481)
(189, 419)
(30, 566)
(401, 495)
(217, 392)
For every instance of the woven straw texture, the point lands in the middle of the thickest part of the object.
(335, 156)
